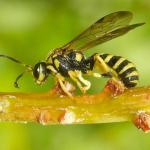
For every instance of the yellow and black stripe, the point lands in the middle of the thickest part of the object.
(125, 69)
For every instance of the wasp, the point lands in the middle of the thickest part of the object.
(69, 61)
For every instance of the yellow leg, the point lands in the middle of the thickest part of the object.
(94, 74)
(61, 82)
(73, 77)
(85, 82)
(76, 76)
(104, 68)
(101, 64)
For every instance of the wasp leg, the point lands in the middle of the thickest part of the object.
(76, 76)
(61, 81)
(99, 62)
(94, 74)
(72, 75)
(98, 75)
(116, 86)
(104, 68)
(85, 82)
(66, 87)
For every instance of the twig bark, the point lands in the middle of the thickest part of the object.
(49, 108)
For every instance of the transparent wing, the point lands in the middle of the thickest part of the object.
(99, 30)
(109, 36)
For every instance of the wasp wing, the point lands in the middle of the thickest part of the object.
(99, 29)
(109, 36)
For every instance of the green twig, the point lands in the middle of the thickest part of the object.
(48, 108)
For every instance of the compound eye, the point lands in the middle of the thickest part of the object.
(36, 71)
(40, 72)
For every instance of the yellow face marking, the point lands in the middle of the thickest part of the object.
(41, 76)
(108, 58)
(56, 62)
(118, 63)
(127, 67)
(134, 73)
(78, 57)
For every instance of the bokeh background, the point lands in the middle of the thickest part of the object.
(29, 30)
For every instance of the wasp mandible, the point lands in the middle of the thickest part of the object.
(68, 61)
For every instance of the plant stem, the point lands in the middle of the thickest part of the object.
(48, 108)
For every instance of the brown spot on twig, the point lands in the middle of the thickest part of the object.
(68, 117)
(114, 87)
(43, 117)
(147, 96)
(142, 121)
(4, 104)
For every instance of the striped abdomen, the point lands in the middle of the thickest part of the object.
(125, 69)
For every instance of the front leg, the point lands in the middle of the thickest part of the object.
(65, 86)
(62, 86)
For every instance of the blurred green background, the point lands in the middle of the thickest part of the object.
(29, 30)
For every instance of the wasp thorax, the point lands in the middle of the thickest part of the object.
(40, 72)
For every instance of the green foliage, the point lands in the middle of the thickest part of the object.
(28, 30)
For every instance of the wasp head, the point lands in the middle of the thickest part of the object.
(40, 72)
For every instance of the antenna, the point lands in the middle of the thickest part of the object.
(28, 68)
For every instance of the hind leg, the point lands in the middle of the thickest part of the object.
(96, 61)
(114, 85)
(100, 63)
